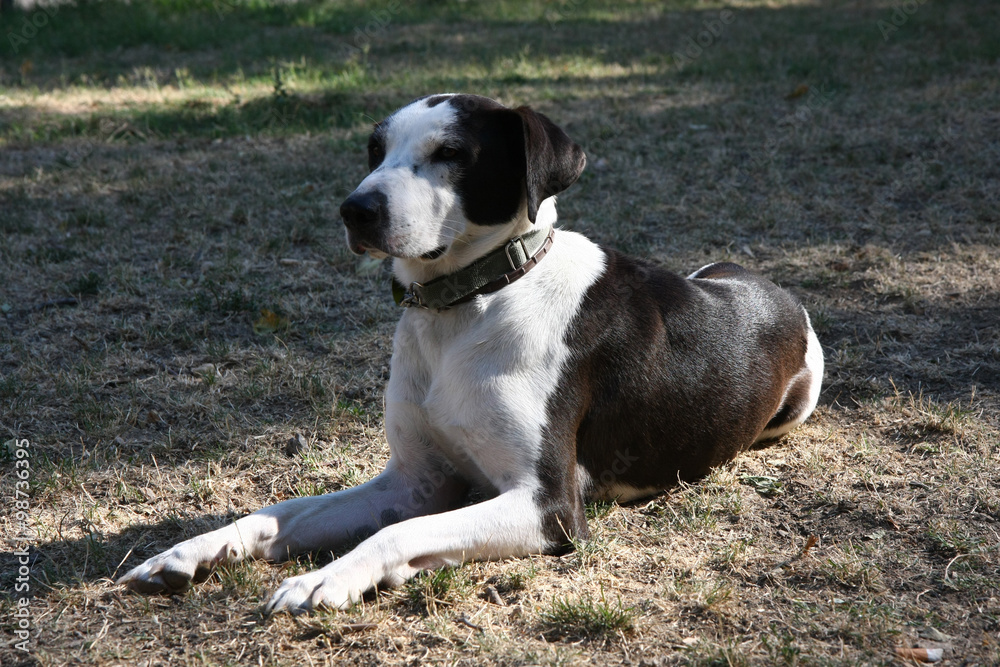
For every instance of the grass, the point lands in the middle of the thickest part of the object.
(429, 591)
(587, 618)
(184, 337)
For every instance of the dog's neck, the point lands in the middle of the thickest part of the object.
(475, 242)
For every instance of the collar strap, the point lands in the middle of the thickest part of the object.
(487, 274)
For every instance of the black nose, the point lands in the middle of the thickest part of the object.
(364, 210)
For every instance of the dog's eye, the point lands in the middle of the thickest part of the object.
(376, 153)
(446, 153)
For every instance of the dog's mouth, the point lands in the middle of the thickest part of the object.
(360, 248)
(382, 247)
(363, 243)
(434, 254)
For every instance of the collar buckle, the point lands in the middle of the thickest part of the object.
(512, 246)
(411, 297)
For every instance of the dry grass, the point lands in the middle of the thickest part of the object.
(143, 237)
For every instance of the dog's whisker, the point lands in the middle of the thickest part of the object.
(458, 232)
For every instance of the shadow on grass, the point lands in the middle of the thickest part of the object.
(940, 348)
(417, 47)
(69, 562)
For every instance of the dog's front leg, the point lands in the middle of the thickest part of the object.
(505, 526)
(298, 525)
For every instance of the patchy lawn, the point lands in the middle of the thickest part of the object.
(184, 337)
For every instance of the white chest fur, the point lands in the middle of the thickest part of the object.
(472, 384)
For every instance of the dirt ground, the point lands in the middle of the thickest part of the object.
(184, 337)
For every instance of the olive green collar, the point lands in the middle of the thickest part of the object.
(487, 274)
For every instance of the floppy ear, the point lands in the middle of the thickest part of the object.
(553, 161)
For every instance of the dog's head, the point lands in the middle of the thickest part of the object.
(446, 165)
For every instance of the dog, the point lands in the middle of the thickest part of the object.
(532, 369)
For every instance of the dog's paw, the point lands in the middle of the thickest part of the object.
(322, 588)
(174, 570)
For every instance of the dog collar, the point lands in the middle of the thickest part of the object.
(487, 274)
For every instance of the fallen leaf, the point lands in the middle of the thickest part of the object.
(810, 543)
(764, 485)
(799, 91)
(270, 322)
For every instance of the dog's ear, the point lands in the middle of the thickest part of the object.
(518, 152)
(553, 161)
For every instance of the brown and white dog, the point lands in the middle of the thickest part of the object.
(575, 373)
